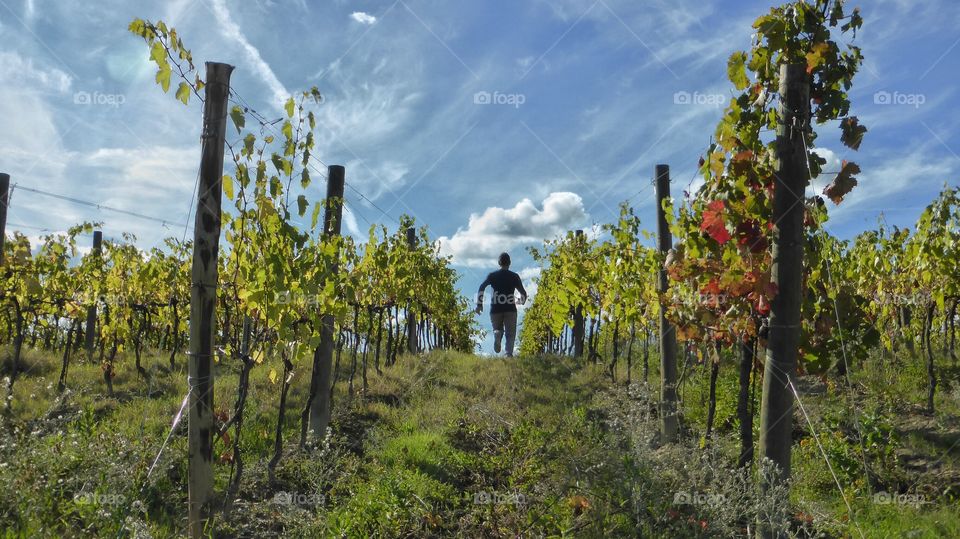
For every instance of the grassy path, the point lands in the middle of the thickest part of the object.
(443, 445)
(457, 445)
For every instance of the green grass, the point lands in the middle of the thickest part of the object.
(552, 445)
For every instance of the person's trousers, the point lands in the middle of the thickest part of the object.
(505, 323)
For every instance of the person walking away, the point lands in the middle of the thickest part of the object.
(503, 305)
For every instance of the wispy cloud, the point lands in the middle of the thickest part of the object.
(231, 30)
(884, 187)
(375, 179)
(599, 96)
(16, 70)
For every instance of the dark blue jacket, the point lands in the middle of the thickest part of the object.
(504, 283)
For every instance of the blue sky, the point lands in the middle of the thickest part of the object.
(583, 102)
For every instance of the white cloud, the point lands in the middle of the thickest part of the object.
(884, 185)
(525, 63)
(157, 181)
(371, 97)
(15, 70)
(30, 143)
(29, 10)
(828, 171)
(351, 221)
(502, 229)
(363, 18)
(372, 112)
(530, 273)
(374, 179)
(529, 277)
(230, 29)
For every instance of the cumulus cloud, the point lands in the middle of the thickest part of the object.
(502, 229)
(829, 170)
(529, 277)
(363, 18)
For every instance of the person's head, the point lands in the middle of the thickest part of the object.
(504, 260)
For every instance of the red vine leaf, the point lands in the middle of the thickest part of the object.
(749, 236)
(712, 287)
(762, 305)
(713, 223)
(771, 289)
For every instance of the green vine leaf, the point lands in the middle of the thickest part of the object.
(238, 117)
(737, 70)
(815, 56)
(183, 92)
(228, 186)
(163, 77)
(316, 214)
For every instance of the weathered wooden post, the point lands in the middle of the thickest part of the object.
(91, 330)
(669, 425)
(776, 412)
(4, 202)
(412, 345)
(743, 402)
(321, 381)
(203, 299)
(578, 329)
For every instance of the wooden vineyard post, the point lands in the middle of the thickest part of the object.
(5, 186)
(776, 412)
(321, 381)
(203, 298)
(669, 425)
(90, 333)
(744, 416)
(578, 323)
(4, 202)
(412, 344)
